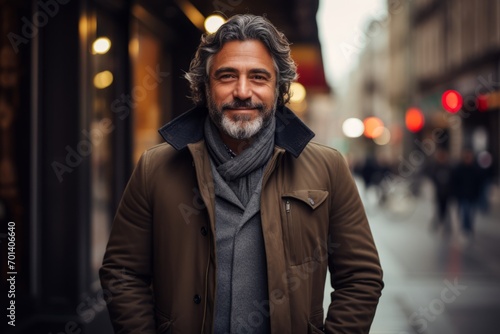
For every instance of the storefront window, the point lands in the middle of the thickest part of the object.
(150, 79)
(105, 74)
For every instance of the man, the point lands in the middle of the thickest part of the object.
(232, 225)
(467, 181)
(440, 173)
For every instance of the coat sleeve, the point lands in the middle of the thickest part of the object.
(355, 271)
(126, 271)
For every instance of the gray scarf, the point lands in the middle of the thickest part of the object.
(240, 171)
(241, 259)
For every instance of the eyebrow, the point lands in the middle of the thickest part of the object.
(252, 71)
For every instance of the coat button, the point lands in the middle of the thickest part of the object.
(197, 299)
(311, 201)
(204, 231)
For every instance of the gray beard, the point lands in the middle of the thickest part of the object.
(239, 127)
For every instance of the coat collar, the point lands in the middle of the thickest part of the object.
(291, 133)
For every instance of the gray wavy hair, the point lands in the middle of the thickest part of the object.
(242, 28)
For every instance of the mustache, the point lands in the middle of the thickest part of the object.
(243, 104)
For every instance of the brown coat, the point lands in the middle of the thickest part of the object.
(159, 269)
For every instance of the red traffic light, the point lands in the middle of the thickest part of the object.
(452, 101)
(482, 103)
(414, 120)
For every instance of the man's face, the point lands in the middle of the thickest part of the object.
(242, 90)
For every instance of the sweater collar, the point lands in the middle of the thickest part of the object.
(291, 133)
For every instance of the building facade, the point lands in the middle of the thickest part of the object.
(455, 45)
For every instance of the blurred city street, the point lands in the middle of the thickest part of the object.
(436, 283)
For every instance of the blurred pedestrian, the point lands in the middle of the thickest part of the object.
(370, 171)
(485, 162)
(440, 173)
(373, 171)
(467, 184)
(231, 226)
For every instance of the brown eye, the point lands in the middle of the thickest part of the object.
(227, 76)
(259, 77)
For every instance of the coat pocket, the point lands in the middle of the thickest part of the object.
(314, 330)
(304, 223)
(317, 321)
(163, 323)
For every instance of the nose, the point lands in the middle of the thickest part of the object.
(243, 89)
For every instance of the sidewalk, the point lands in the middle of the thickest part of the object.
(436, 283)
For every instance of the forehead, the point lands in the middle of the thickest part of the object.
(243, 56)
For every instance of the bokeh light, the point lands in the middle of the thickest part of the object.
(353, 127)
(384, 138)
(374, 127)
(452, 101)
(414, 120)
(101, 45)
(298, 92)
(213, 23)
(103, 79)
(484, 159)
